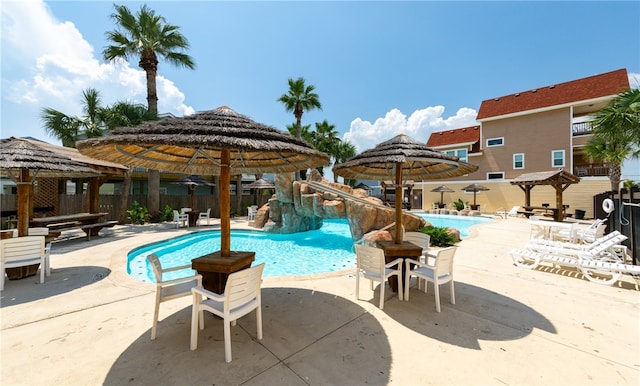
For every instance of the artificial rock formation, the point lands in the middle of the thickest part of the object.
(296, 207)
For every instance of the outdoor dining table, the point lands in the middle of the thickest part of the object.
(405, 250)
(193, 217)
(215, 268)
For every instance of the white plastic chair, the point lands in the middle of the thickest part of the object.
(441, 272)
(420, 239)
(371, 265)
(251, 212)
(43, 231)
(180, 218)
(21, 252)
(204, 216)
(169, 289)
(184, 210)
(242, 294)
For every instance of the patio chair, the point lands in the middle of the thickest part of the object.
(441, 272)
(586, 235)
(502, 212)
(242, 294)
(371, 265)
(251, 212)
(598, 261)
(22, 252)
(43, 231)
(169, 289)
(184, 210)
(204, 216)
(180, 219)
(420, 239)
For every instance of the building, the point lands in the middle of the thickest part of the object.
(537, 130)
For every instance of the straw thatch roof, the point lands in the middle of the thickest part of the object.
(18, 153)
(475, 188)
(418, 161)
(442, 189)
(260, 184)
(553, 177)
(193, 180)
(193, 145)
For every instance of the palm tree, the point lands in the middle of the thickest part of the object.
(68, 128)
(298, 99)
(325, 139)
(616, 134)
(305, 132)
(344, 151)
(147, 36)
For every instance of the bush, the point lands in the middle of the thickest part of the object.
(459, 204)
(137, 214)
(439, 236)
(167, 213)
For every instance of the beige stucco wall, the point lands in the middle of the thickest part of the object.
(534, 135)
(503, 195)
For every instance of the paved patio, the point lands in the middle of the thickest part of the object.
(89, 324)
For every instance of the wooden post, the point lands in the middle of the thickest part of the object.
(93, 191)
(225, 203)
(25, 192)
(398, 203)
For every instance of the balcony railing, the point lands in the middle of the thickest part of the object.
(582, 128)
(591, 170)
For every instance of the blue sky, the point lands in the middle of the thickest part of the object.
(380, 68)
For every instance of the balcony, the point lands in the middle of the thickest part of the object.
(591, 170)
(582, 128)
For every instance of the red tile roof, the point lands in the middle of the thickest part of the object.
(596, 86)
(469, 134)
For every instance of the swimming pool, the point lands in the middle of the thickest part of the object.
(461, 223)
(328, 249)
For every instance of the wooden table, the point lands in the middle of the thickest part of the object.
(215, 268)
(193, 217)
(392, 251)
(70, 221)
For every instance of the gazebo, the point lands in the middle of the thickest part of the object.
(558, 179)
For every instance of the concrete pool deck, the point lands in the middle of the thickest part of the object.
(89, 324)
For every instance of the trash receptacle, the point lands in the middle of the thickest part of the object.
(579, 214)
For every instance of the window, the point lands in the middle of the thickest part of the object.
(460, 153)
(495, 176)
(557, 158)
(518, 161)
(493, 142)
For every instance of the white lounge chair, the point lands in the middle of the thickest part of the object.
(371, 265)
(242, 295)
(599, 261)
(585, 235)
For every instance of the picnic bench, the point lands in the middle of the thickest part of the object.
(90, 223)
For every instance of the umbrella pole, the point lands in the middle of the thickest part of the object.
(398, 203)
(193, 202)
(225, 203)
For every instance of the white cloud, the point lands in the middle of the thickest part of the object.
(634, 79)
(57, 64)
(366, 135)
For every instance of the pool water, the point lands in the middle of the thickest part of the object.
(461, 223)
(328, 249)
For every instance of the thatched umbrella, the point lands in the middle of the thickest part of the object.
(23, 162)
(475, 188)
(406, 159)
(219, 141)
(442, 189)
(192, 181)
(260, 184)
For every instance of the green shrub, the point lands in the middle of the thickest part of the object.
(137, 214)
(459, 204)
(439, 236)
(167, 213)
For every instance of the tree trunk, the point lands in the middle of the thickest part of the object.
(238, 205)
(124, 198)
(615, 172)
(153, 192)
